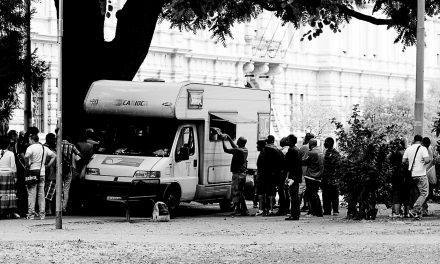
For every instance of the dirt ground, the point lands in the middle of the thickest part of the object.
(203, 234)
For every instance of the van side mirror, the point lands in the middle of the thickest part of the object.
(183, 154)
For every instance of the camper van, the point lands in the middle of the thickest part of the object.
(161, 140)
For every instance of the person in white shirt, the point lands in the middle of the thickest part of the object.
(8, 179)
(35, 154)
(418, 157)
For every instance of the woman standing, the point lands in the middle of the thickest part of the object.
(8, 179)
(399, 185)
(426, 142)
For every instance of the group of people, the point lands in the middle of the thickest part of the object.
(295, 174)
(28, 172)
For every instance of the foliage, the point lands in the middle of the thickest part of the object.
(432, 109)
(317, 119)
(394, 116)
(218, 16)
(363, 158)
(12, 59)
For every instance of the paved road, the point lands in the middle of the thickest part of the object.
(203, 234)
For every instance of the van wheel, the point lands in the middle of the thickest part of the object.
(172, 200)
(226, 205)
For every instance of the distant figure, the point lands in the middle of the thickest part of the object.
(275, 161)
(426, 142)
(16, 146)
(238, 168)
(87, 150)
(261, 180)
(50, 180)
(315, 168)
(303, 151)
(400, 191)
(293, 168)
(330, 184)
(69, 154)
(8, 178)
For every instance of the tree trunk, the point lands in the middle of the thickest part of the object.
(87, 57)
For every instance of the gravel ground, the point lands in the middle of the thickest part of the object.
(202, 234)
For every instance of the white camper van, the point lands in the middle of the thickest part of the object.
(158, 140)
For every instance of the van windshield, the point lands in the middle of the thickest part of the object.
(133, 136)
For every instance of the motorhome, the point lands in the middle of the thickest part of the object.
(161, 140)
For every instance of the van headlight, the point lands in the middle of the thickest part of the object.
(93, 171)
(146, 174)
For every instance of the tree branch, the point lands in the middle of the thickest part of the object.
(373, 20)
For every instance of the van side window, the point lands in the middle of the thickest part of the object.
(186, 140)
(222, 123)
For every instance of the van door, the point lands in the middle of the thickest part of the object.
(186, 161)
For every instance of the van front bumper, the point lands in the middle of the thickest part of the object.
(126, 190)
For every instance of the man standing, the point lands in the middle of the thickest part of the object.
(238, 168)
(303, 152)
(35, 156)
(261, 179)
(275, 162)
(418, 157)
(50, 180)
(294, 176)
(329, 184)
(69, 155)
(315, 167)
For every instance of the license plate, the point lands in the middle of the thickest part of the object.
(112, 198)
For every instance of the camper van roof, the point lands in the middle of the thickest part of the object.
(182, 101)
(133, 98)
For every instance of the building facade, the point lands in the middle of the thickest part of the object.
(327, 74)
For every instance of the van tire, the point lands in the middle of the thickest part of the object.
(172, 199)
(226, 205)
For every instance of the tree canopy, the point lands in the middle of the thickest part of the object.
(220, 16)
(121, 58)
(13, 60)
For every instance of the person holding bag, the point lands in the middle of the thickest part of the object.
(35, 156)
(418, 157)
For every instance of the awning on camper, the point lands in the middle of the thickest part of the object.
(232, 117)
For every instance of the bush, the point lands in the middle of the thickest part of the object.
(364, 171)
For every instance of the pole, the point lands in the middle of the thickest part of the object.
(418, 106)
(59, 181)
(28, 72)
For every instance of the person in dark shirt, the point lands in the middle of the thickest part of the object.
(274, 161)
(50, 177)
(238, 168)
(329, 184)
(303, 152)
(261, 179)
(293, 167)
(315, 166)
(400, 189)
